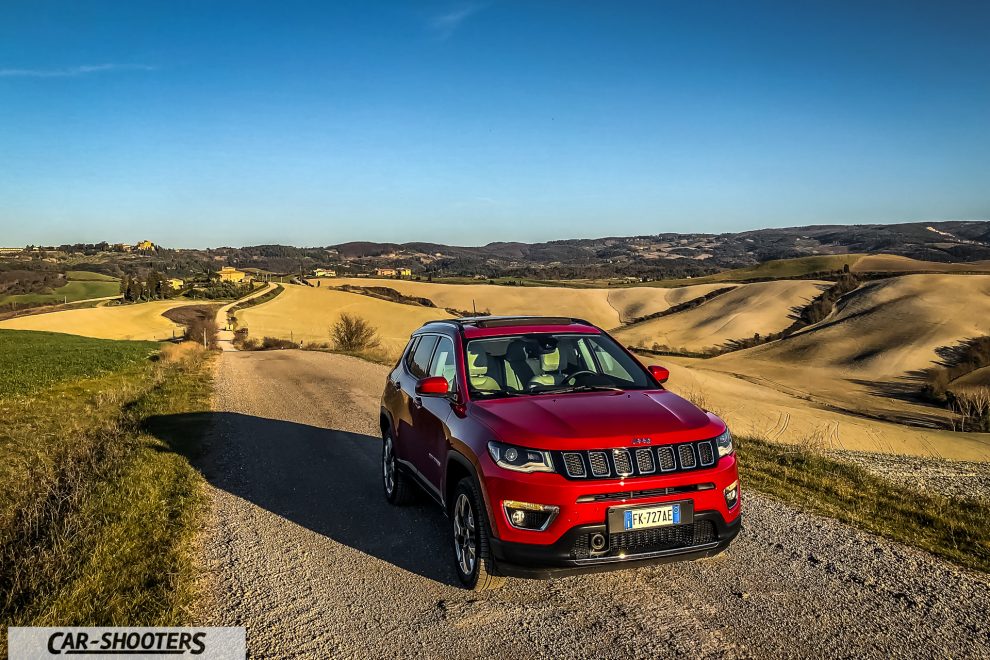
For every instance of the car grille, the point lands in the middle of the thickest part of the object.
(574, 464)
(645, 541)
(663, 538)
(635, 461)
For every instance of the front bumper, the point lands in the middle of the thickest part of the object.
(570, 555)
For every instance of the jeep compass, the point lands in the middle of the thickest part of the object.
(553, 450)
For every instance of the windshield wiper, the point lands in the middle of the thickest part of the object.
(495, 394)
(584, 388)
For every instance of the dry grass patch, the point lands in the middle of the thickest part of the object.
(141, 321)
(954, 528)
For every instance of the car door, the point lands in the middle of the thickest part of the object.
(413, 428)
(434, 411)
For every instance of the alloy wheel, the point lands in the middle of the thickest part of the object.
(388, 466)
(465, 534)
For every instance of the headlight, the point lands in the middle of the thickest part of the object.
(520, 459)
(724, 444)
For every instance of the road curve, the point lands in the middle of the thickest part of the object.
(303, 550)
(225, 336)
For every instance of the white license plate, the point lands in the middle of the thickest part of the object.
(654, 516)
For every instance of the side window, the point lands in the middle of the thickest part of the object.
(410, 351)
(443, 362)
(420, 366)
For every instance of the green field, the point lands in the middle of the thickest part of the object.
(89, 276)
(31, 361)
(82, 285)
(97, 510)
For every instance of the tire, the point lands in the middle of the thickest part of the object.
(469, 530)
(395, 483)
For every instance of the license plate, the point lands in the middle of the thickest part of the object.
(654, 516)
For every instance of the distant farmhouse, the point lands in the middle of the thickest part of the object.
(175, 282)
(324, 272)
(145, 246)
(393, 272)
(230, 274)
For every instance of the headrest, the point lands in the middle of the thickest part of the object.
(516, 352)
(550, 361)
(478, 363)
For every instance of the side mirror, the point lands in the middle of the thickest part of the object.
(432, 386)
(662, 374)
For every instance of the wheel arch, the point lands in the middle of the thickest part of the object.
(458, 467)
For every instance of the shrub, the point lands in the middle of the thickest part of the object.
(973, 406)
(203, 331)
(275, 343)
(353, 333)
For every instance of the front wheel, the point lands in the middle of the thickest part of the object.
(398, 490)
(469, 525)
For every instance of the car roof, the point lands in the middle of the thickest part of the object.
(497, 326)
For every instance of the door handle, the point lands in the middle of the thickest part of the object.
(418, 402)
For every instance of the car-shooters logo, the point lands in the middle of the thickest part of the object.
(203, 643)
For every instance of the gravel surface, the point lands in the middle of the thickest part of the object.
(958, 478)
(304, 551)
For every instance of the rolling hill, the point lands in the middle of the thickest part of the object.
(761, 307)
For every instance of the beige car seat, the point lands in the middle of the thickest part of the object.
(478, 371)
(550, 366)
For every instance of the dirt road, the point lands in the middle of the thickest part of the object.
(304, 551)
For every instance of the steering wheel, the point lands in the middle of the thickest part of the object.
(570, 380)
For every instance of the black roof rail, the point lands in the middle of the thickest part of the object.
(508, 321)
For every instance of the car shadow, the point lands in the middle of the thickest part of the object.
(326, 480)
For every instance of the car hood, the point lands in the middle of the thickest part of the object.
(589, 420)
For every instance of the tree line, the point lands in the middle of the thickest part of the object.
(154, 286)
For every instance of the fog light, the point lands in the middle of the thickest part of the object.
(524, 515)
(732, 495)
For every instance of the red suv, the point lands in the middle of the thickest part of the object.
(553, 450)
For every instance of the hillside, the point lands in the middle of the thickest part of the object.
(140, 321)
(305, 314)
(867, 355)
(762, 307)
(663, 256)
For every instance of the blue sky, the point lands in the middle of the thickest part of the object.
(199, 123)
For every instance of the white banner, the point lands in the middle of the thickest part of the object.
(137, 643)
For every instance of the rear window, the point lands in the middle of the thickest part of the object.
(420, 364)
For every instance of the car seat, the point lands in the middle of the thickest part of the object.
(478, 371)
(550, 368)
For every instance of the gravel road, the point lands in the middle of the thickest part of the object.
(304, 551)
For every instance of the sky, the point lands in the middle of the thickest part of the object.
(207, 123)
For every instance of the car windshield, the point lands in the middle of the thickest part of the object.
(522, 365)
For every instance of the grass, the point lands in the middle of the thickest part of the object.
(31, 361)
(954, 528)
(97, 513)
(86, 275)
(71, 291)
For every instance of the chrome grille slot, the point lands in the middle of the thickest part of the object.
(685, 456)
(623, 462)
(635, 461)
(665, 456)
(706, 455)
(599, 464)
(574, 464)
(644, 461)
